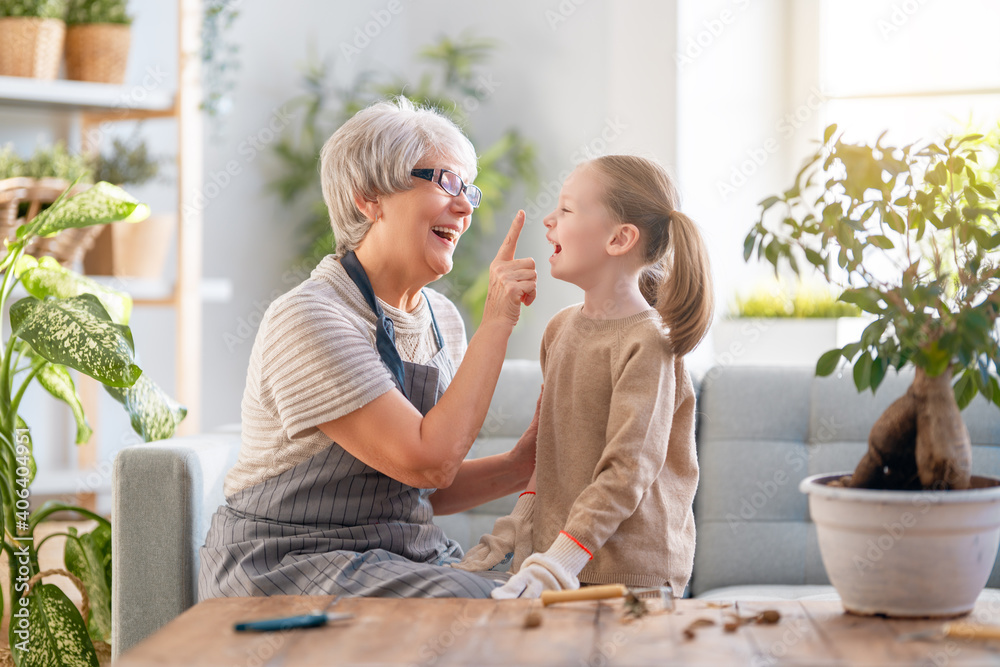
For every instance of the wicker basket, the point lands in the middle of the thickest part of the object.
(31, 47)
(69, 245)
(97, 52)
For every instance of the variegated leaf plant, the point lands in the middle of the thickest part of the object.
(67, 321)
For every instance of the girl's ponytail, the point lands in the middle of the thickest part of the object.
(685, 299)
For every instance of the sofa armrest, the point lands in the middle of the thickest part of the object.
(163, 496)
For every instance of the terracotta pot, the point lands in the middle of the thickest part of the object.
(97, 52)
(906, 553)
(132, 250)
(31, 47)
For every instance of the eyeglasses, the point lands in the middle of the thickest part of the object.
(451, 183)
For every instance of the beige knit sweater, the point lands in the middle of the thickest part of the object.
(616, 462)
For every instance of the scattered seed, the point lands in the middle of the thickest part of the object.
(768, 617)
(695, 624)
(533, 619)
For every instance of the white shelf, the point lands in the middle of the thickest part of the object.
(217, 290)
(82, 95)
(67, 482)
(213, 290)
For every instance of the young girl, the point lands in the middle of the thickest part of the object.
(616, 470)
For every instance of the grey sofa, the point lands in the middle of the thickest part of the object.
(761, 431)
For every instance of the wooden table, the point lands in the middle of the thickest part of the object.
(485, 632)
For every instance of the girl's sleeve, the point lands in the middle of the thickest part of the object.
(639, 423)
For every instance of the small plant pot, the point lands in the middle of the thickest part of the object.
(907, 554)
(132, 250)
(31, 47)
(97, 52)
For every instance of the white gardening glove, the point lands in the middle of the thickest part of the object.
(508, 545)
(554, 570)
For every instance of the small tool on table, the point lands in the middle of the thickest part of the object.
(311, 620)
(957, 630)
(633, 596)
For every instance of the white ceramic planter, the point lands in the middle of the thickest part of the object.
(906, 553)
(782, 341)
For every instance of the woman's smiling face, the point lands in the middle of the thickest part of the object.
(425, 222)
(579, 228)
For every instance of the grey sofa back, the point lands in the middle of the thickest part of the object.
(760, 432)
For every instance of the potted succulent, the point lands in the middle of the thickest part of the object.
(781, 324)
(910, 235)
(124, 250)
(67, 321)
(31, 37)
(97, 40)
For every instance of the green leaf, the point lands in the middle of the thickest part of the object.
(78, 332)
(54, 634)
(827, 363)
(51, 279)
(89, 558)
(985, 191)
(98, 205)
(879, 367)
(153, 414)
(56, 380)
(748, 245)
(965, 389)
(863, 372)
(865, 298)
(883, 242)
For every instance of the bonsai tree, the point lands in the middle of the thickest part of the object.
(910, 235)
(68, 321)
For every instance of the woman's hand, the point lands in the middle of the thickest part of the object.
(512, 281)
(522, 456)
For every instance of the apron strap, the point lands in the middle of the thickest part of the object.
(385, 332)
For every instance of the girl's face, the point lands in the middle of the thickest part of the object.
(580, 229)
(424, 223)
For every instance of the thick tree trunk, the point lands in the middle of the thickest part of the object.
(919, 442)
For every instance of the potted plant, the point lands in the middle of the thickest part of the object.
(910, 234)
(67, 321)
(31, 37)
(781, 324)
(97, 40)
(28, 186)
(124, 250)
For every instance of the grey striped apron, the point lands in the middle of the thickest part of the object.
(334, 525)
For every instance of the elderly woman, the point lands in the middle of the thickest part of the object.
(362, 400)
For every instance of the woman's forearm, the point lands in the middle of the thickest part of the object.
(450, 427)
(479, 481)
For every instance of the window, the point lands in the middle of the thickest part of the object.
(917, 68)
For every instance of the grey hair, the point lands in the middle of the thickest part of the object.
(371, 155)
